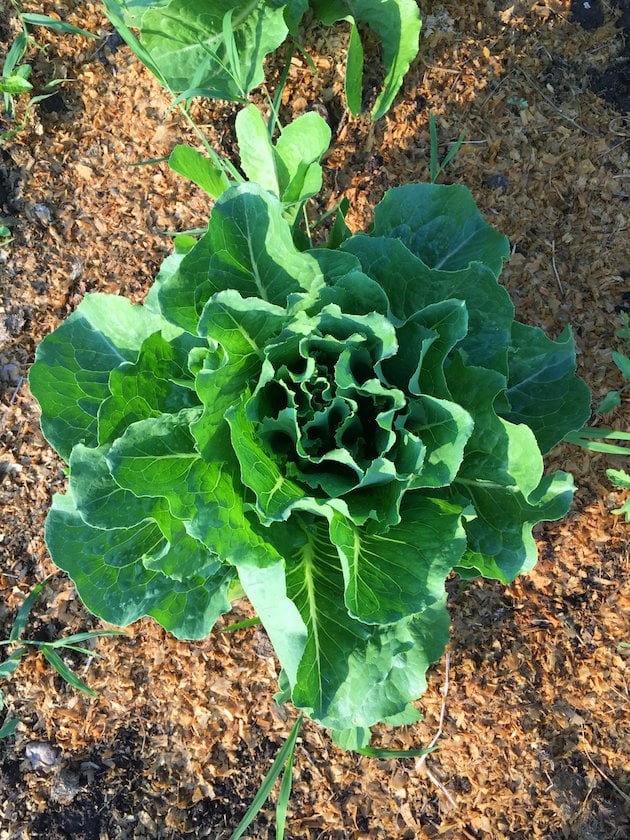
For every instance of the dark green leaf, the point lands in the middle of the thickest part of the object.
(354, 72)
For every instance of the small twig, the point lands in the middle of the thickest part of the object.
(621, 793)
(16, 391)
(555, 268)
(422, 760)
(555, 107)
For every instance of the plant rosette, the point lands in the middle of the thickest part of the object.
(334, 429)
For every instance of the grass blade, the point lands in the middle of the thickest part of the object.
(62, 669)
(13, 57)
(277, 99)
(21, 618)
(270, 779)
(114, 14)
(284, 795)
(434, 170)
(375, 752)
(82, 637)
(240, 625)
(58, 25)
(231, 52)
(452, 151)
(354, 72)
(11, 663)
(590, 437)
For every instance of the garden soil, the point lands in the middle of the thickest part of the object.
(534, 695)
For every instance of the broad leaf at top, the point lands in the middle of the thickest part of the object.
(441, 225)
(186, 41)
(248, 248)
(397, 24)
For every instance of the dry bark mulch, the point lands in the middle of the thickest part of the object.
(535, 742)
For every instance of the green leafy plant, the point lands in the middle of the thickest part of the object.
(14, 80)
(48, 649)
(598, 438)
(5, 235)
(331, 431)
(216, 49)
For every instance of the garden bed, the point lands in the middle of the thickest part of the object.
(536, 730)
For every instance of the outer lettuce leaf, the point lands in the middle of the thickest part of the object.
(489, 309)
(157, 458)
(401, 572)
(158, 382)
(107, 568)
(500, 541)
(73, 364)
(440, 225)
(350, 674)
(543, 390)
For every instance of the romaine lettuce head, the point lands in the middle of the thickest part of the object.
(337, 430)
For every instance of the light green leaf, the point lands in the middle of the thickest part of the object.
(248, 248)
(159, 382)
(623, 363)
(275, 494)
(297, 154)
(621, 479)
(266, 589)
(53, 23)
(14, 85)
(392, 575)
(611, 401)
(255, 149)
(62, 669)
(9, 725)
(185, 41)
(72, 365)
(498, 452)
(101, 502)
(11, 663)
(157, 458)
(199, 169)
(351, 675)
(104, 504)
(397, 24)
(354, 72)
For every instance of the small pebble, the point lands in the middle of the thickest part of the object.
(43, 213)
(41, 754)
